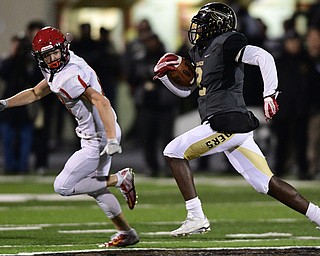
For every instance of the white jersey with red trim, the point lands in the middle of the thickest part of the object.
(69, 84)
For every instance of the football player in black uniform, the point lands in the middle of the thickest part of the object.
(219, 54)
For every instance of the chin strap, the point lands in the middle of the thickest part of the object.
(51, 76)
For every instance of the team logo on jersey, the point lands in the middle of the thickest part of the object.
(203, 91)
(200, 63)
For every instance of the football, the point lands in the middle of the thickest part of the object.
(184, 75)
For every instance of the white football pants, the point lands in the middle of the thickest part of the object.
(81, 171)
(240, 148)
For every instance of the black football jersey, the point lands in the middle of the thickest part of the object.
(220, 81)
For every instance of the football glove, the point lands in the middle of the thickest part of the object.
(111, 148)
(166, 63)
(271, 106)
(3, 104)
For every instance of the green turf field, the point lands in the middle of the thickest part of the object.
(34, 219)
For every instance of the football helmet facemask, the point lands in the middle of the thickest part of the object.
(213, 19)
(46, 40)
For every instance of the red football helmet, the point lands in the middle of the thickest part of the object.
(49, 39)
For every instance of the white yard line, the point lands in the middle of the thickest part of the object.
(153, 223)
(148, 249)
(14, 198)
(87, 231)
(45, 225)
(19, 228)
(235, 180)
(269, 234)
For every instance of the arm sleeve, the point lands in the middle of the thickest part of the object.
(180, 91)
(257, 56)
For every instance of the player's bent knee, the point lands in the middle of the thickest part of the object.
(258, 180)
(58, 188)
(261, 186)
(62, 192)
(261, 189)
(170, 152)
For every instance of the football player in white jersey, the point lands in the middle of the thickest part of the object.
(87, 170)
(219, 54)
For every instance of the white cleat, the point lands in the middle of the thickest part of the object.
(192, 226)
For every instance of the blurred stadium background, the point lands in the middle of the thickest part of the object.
(168, 18)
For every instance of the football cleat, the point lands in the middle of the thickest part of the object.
(127, 187)
(122, 239)
(192, 226)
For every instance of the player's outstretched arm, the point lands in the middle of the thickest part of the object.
(26, 96)
(108, 119)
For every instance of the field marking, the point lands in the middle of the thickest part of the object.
(213, 241)
(269, 234)
(160, 233)
(158, 223)
(58, 224)
(307, 237)
(53, 197)
(223, 181)
(242, 237)
(87, 231)
(214, 180)
(153, 249)
(23, 228)
(19, 198)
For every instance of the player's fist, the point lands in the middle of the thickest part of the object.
(111, 148)
(166, 62)
(271, 106)
(3, 104)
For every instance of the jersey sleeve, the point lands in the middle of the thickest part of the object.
(75, 86)
(232, 46)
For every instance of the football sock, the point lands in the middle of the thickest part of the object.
(194, 208)
(313, 213)
(109, 204)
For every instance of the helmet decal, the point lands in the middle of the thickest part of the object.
(46, 48)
